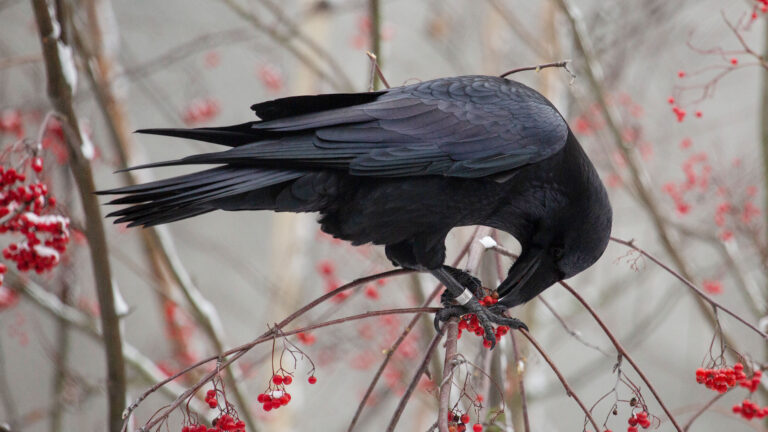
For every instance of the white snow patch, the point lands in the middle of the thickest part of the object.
(68, 68)
(487, 242)
(121, 307)
(47, 219)
(55, 27)
(45, 251)
(277, 394)
(87, 146)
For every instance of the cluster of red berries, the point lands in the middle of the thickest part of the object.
(750, 410)
(471, 324)
(200, 111)
(720, 380)
(223, 423)
(10, 122)
(457, 422)
(271, 77)
(306, 338)
(276, 396)
(210, 398)
(762, 5)
(697, 172)
(327, 271)
(638, 419)
(22, 209)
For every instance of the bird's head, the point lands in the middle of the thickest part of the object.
(563, 247)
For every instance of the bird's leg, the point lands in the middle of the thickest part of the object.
(465, 279)
(468, 303)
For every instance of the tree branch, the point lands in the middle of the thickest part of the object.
(568, 389)
(60, 91)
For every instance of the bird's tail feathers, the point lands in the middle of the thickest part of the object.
(181, 197)
(231, 136)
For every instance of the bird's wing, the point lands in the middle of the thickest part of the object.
(470, 126)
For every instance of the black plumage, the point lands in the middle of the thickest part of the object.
(401, 168)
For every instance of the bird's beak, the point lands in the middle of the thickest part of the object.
(531, 274)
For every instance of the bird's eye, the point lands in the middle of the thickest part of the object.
(557, 252)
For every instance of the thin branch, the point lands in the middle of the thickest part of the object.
(568, 390)
(390, 353)
(701, 294)
(374, 17)
(376, 71)
(622, 352)
(640, 179)
(144, 366)
(19, 60)
(60, 91)
(408, 328)
(520, 383)
(451, 350)
(702, 411)
(269, 336)
(102, 68)
(415, 381)
(295, 31)
(561, 64)
(239, 351)
(338, 79)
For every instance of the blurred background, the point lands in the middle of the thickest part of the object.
(669, 100)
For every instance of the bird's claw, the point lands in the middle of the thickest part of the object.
(485, 317)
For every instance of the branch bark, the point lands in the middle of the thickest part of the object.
(60, 91)
(451, 349)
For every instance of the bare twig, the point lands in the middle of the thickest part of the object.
(390, 352)
(144, 366)
(701, 294)
(295, 32)
(520, 383)
(241, 350)
(408, 328)
(376, 72)
(702, 410)
(561, 64)
(20, 60)
(622, 352)
(639, 177)
(269, 336)
(568, 389)
(374, 16)
(415, 381)
(444, 397)
(102, 69)
(60, 90)
(6, 397)
(337, 79)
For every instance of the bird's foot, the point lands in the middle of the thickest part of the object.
(479, 320)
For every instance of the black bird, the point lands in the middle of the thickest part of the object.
(402, 167)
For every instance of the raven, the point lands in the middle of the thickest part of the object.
(402, 167)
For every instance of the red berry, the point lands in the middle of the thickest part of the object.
(681, 74)
(37, 164)
(277, 379)
(312, 379)
(213, 403)
(671, 100)
(287, 380)
(465, 418)
(477, 427)
(698, 114)
(734, 61)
